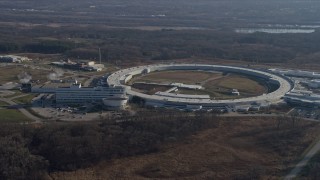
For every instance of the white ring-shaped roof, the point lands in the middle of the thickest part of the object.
(284, 84)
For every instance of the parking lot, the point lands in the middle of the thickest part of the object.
(50, 111)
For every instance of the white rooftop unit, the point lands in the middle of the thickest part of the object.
(193, 107)
(90, 63)
(187, 86)
(243, 108)
(235, 92)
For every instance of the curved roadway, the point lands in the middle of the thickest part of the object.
(284, 84)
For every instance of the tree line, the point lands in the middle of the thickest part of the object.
(124, 44)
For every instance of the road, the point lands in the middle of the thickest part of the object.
(22, 110)
(299, 166)
(88, 81)
(297, 169)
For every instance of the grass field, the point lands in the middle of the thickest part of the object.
(192, 92)
(3, 104)
(10, 73)
(243, 148)
(16, 93)
(12, 116)
(221, 88)
(149, 88)
(217, 85)
(25, 99)
(242, 83)
(187, 77)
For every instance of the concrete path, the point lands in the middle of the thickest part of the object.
(16, 97)
(213, 78)
(294, 172)
(88, 81)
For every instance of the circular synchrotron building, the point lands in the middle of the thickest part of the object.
(122, 77)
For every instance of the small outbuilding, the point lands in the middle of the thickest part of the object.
(235, 92)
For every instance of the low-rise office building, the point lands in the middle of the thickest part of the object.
(110, 96)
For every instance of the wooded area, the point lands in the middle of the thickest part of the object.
(134, 45)
(167, 30)
(29, 152)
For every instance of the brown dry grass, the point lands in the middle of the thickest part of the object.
(233, 149)
(188, 77)
(216, 85)
(10, 73)
(243, 84)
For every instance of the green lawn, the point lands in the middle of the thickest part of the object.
(12, 116)
(25, 99)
